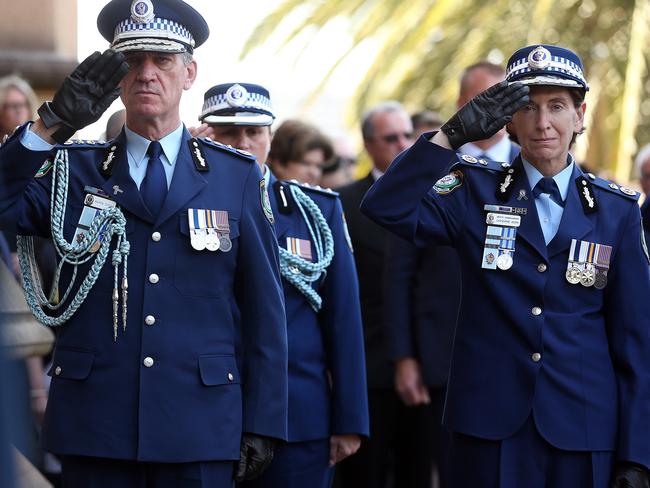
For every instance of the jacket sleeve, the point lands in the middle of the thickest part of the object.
(403, 200)
(258, 291)
(399, 281)
(628, 325)
(24, 200)
(341, 323)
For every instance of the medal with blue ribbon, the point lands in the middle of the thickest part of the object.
(501, 235)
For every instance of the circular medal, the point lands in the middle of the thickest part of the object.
(504, 261)
(587, 277)
(225, 243)
(573, 274)
(212, 241)
(600, 281)
(198, 241)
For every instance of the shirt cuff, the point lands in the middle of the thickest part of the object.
(33, 141)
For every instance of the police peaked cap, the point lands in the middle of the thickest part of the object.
(237, 104)
(543, 64)
(152, 25)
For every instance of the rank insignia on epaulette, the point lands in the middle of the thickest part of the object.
(44, 169)
(506, 183)
(469, 159)
(200, 162)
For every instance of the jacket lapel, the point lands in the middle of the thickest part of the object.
(121, 187)
(186, 182)
(574, 224)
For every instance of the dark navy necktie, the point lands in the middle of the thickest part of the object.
(548, 185)
(154, 185)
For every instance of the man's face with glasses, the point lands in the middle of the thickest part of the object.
(392, 134)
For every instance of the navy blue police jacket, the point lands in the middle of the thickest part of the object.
(590, 388)
(219, 337)
(327, 375)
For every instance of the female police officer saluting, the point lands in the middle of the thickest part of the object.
(550, 382)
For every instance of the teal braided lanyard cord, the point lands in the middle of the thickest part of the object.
(298, 271)
(107, 223)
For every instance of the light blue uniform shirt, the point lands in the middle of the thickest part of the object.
(549, 212)
(136, 149)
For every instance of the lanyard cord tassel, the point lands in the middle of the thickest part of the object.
(108, 222)
(297, 270)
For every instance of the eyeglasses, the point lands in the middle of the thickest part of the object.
(395, 137)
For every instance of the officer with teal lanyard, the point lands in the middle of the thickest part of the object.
(328, 406)
(170, 363)
(550, 380)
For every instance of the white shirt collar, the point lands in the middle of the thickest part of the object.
(376, 174)
(137, 145)
(497, 152)
(562, 179)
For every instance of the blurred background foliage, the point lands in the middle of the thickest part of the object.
(423, 46)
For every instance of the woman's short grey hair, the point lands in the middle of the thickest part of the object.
(15, 82)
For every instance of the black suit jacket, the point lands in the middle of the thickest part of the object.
(369, 242)
(423, 290)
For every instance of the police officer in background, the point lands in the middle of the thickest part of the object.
(173, 388)
(328, 406)
(549, 382)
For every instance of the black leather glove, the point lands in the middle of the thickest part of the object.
(255, 456)
(85, 94)
(486, 113)
(630, 475)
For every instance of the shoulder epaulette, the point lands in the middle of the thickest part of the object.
(226, 148)
(623, 191)
(467, 160)
(83, 144)
(316, 189)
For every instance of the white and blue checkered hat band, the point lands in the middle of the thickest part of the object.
(557, 64)
(255, 101)
(159, 34)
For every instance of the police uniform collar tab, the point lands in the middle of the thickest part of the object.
(152, 25)
(546, 65)
(237, 104)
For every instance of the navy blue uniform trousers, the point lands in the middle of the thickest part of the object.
(527, 460)
(93, 472)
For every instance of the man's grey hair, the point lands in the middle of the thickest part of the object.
(367, 128)
(187, 57)
(642, 156)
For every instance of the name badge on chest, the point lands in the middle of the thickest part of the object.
(499, 248)
(209, 229)
(94, 202)
(588, 264)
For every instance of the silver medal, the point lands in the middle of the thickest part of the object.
(504, 261)
(226, 243)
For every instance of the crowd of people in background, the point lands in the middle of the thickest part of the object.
(407, 343)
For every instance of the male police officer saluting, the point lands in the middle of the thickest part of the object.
(549, 383)
(161, 401)
(328, 406)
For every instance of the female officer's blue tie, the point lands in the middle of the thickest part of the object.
(154, 185)
(548, 185)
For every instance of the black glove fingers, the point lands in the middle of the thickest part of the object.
(113, 66)
(98, 70)
(106, 101)
(241, 466)
(86, 64)
(119, 73)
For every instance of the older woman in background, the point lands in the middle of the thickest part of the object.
(17, 103)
